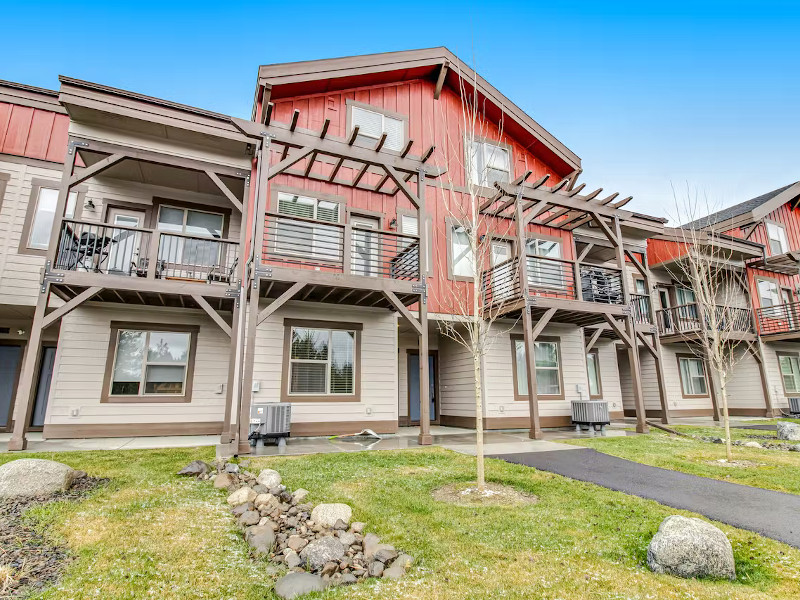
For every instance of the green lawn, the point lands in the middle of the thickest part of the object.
(150, 534)
(775, 470)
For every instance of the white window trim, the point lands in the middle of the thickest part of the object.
(690, 379)
(383, 117)
(783, 241)
(145, 363)
(795, 372)
(69, 213)
(185, 218)
(326, 362)
(524, 373)
(310, 252)
(478, 179)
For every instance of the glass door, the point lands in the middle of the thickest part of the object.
(124, 254)
(365, 246)
(503, 275)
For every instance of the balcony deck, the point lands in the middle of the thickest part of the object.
(781, 322)
(687, 323)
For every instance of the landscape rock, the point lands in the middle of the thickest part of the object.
(196, 468)
(346, 579)
(689, 547)
(376, 568)
(404, 560)
(296, 543)
(296, 584)
(327, 514)
(269, 478)
(240, 509)
(321, 551)
(300, 495)
(358, 527)
(231, 468)
(293, 559)
(370, 545)
(347, 538)
(250, 517)
(752, 445)
(223, 481)
(27, 477)
(241, 496)
(385, 553)
(394, 572)
(261, 538)
(788, 431)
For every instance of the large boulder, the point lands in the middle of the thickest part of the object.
(296, 584)
(196, 468)
(27, 477)
(788, 431)
(261, 538)
(321, 551)
(689, 547)
(327, 514)
(269, 478)
(241, 496)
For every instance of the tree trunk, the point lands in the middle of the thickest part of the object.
(476, 363)
(725, 419)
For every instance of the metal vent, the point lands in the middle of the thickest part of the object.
(794, 406)
(590, 412)
(5, 330)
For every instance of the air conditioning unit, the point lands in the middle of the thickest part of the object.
(794, 406)
(270, 422)
(590, 414)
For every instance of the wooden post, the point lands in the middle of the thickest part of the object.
(762, 372)
(243, 418)
(662, 385)
(425, 438)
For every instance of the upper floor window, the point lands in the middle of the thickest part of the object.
(461, 256)
(409, 224)
(488, 163)
(768, 293)
(545, 273)
(186, 251)
(373, 124)
(44, 216)
(778, 244)
(295, 236)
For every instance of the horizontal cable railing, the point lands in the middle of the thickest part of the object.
(307, 243)
(197, 258)
(783, 318)
(101, 248)
(551, 277)
(691, 318)
(501, 282)
(640, 306)
(601, 284)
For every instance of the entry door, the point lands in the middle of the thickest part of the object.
(366, 251)
(666, 317)
(124, 252)
(502, 278)
(413, 388)
(10, 362)
(43, 386)
(788, 300)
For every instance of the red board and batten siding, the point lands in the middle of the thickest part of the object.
(661, 251)
(430, 122)
(33, 132)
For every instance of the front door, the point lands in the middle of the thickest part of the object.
(787, 297)
(10, 363)
(124, 251)
(413, 388)
(43, 386)
(666, 317)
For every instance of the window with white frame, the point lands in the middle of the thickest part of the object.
(148, 363)
(548, 368)
(188, 251)
(322, 362)
(488, 163)
(543, 272)
(790, 372)
(44, 216)
(373, 124)
(778, 243)
(593, 371)
(315, 240)
(409, 224)
(693, 376)
(769, 293)
(461, 255)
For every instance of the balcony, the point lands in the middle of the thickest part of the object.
(85, 247)
(781, 321)
(688, 321)
(640, 306)
(301, 243)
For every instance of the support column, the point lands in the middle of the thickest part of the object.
(658, 358)
(535, 432)
(762, 372)
(23, 406)
(712, 385)
(243, 418)
(232, 391)
(425, 438)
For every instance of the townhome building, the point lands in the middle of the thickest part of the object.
(166, 268)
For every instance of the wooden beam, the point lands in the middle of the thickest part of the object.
(650, 348)
(608, 199)
(437, 91)
(381, 142)
(279, 301)
(268, 113)
(224, 189)
(407, 148)
(538, 209)
(69, 306)
(213, 314)
(500, 193)
(542, 322)
(592, 340)
(622, 202)
(295, 116)
(575, 191)
(287, 162)
(618, 330)
(584, 252)
(336, 168)
(401, 185)
(324, 131)
(428, 154)
(360, 174)
(96, 169)
(636, 263)
(606, 230)
(559, 185)
(310, 164)
(353, 136)
(401, 308)
(592, 195)
(573, 178)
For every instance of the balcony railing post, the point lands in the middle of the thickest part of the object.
(578, 280)
(347, 249)
(152, 254)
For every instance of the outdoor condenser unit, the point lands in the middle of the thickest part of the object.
(794, 406)
(270, 422)
(590, 413)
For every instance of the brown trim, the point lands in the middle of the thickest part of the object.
(158, 202)
(773, 280)
(349, 104)
(33, 162)
(505, 422)
(435, 375)
(542, 338)
(678, 357)
(58, 431)
(121, 204)
(365, 214)
(778, 355)
(596, 353)
(688, 412)
(4, 179)
(115, 326)
(766, 235)
(748, 412)
(38, 183)
(288, 189)
(22, 344)
(342, 427)
(316, 324)
(449, 224)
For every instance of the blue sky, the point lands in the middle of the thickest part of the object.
(649, 96)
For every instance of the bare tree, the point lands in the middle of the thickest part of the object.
(713, 276)
(477, 298)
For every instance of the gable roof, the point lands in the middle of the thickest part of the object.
(314, 76)
(749, 210)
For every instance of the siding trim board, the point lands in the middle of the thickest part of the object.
(56, 431)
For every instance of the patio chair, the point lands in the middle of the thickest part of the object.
(222, 274)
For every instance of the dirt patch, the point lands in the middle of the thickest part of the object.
(734, 464)
(28, 561)
(494, 494)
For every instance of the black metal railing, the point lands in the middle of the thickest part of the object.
(692, 318)
(101, 248)
(355, 250)
(601, 284)
(196, 258)
(552, 277)
(640, 307)
(783, 318)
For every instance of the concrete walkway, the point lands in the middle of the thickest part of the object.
(772, 514)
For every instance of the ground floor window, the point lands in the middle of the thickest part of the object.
(148, 363)
(593, 372)
(321, 360)
(547, 353)
(790, 372)
(693, 376)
